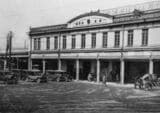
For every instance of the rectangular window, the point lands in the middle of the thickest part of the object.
(144, 37)
(48, 43)
(35, 44)
(73, 42)
(64, 42)
(39, 44)
(83, 41)
(130, 38)
(105, 39)
(55, 42)
(117, 39)
(93, 40)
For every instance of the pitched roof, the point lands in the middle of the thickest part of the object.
(48, 28)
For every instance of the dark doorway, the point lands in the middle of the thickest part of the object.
(51, 64)
(37, 64)
(86, 66)
(22, 63)
(134, 70)
(71, 68)
(115, 72)
(1, 64)
(157, 67)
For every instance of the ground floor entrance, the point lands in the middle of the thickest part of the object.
(116, 70)
(134, 69)
(157, 67)
(15, 63)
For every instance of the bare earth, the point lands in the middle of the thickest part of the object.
(77, 97)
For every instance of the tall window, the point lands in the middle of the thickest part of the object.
(144, 37)
(73, 42)
(130, 38)
(117, 39)
(55, 42)
(35, 43)
(39, 44)
(64, 42)
(93, 40)
(83, 41)
(48, 43)
(105, 39)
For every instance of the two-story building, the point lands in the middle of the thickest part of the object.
(122, 43)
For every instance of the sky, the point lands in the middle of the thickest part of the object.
(19, 15)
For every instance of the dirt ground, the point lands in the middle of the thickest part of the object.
(77, 97)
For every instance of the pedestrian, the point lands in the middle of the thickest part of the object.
(104, 79)
(90, 77)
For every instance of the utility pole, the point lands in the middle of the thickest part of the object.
(59, 52)
(9, 50)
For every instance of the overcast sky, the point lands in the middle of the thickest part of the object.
(19, 15)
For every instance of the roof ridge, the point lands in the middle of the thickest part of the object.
(127, 8)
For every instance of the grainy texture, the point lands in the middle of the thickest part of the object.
(77, 97)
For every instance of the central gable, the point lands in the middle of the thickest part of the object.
(91, 18)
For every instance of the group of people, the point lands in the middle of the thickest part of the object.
(91, 77)
(105, 76)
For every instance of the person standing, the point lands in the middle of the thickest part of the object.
(89, 77)
(104, 79)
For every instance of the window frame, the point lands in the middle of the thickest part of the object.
(145, 37)
(93, 40)
(117, 39)
(56, 42)
(47, 43)
(105, 40)
(73, 42)
(64, 42)
(83, 41)
(130, 38)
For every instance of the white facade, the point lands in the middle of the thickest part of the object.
(146, 45)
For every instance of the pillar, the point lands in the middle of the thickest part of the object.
(59, 64)
(5, 64)
(122, 68)
(98, 70)
(77, 69)
(29, 64)
(44, 65)
(17, 59)
(151, 66)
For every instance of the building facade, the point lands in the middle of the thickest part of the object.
(19, 59)
(122, 43)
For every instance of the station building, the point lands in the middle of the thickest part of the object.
(19, 59)
(122, 43)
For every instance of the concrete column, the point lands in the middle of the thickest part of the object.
(98, 70)
(44, 65)
(77, 69)
(59, 64)
(122, 68)
(151, 66)
(29, 58)
(17, 63)
(29, 64)
(5, 64)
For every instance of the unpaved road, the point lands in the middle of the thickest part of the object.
(77, 97)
